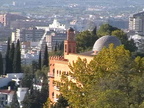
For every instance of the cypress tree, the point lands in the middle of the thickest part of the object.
(1, 64)
(11, 56)
(94, 31)
(7, 60)
(17, 59)
(15, 103)
(45, 59)
(39, 62)
(44, 91)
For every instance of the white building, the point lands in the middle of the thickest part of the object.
(21, 94)
(136, 23)
(5, 97)
(7, 94)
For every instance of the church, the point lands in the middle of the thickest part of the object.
(59, 64)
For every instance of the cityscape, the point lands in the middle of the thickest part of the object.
(71, 54)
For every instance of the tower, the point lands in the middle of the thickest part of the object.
(70, 43)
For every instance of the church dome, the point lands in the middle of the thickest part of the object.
(105, 41)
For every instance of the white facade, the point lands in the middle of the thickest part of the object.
(5, 97)
(57, 25)
(136, 23)
(21, 94)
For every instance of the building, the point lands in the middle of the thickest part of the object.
(59, 64)
(53, 38)
(5, 97)
(21, 94)
(6, 19)
(29, 34)
(136, 23)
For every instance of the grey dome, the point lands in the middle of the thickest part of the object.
(105, 41)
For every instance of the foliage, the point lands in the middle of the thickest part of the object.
(85, 41)
(46, 57)
(112, 79)
(41, 73)
(7, 59)
(44, 91)
(14, 103)
(27, 80)
(61, 103)
(128, 44)
(58, 51)
(47, 103)
(39, 61)
(17, 58)
(11, 57)
(106, 29)
(31, 99)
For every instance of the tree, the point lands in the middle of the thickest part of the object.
(46, 57)
(11, 57)
(39, 61)
(44, 91)
(7, 59)
(48, 104)
(106, 29)
(128, 44)
(27, 80)
(17, 58)
(1, 64)
(94, 32)
(31, 99)
(15, 103)
(61, 103)
(112, 79)
(85, 41)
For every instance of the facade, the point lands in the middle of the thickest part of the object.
(53, 38)
(6, 19)
(136, 23)
(5, 97)
(30, 34)
(59, 64)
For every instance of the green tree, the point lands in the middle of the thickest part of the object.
(61, 103)
(111, 99)
(17, 58)
(14, 103)
(11, 57)
(85, 41)
(113, 74)
(106, 29)
(46, 57)
(39, 61)
(27, 80)
(44, 91)
(7, 59)
(128, 44)
(31, 99)
(94, 32)
(1, 64)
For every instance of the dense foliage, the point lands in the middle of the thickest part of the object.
(85, 40)
(113, 79)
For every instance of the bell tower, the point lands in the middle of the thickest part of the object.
(70, 43)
